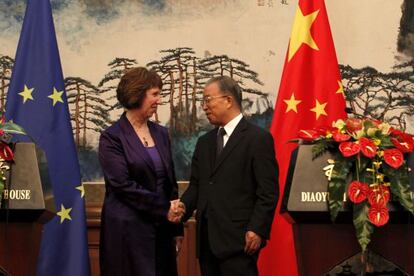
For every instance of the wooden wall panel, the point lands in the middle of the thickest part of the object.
(19, 247)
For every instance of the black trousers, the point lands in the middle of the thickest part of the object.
(237, 265)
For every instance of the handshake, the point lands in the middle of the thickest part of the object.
(176, 212)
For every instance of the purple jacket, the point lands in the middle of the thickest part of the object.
(133, 214)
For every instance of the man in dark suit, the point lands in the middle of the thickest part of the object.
(233, 185)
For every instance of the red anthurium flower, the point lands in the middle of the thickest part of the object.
(340, 137)
(379, 196)
(358, 191)
(349, 148)
(368, 147)
(393, 157)
(353, 124)
(378, 215)
(407, 138)
(404, 142)
(308, 135)
(6, 152)
(1, 132)
(322, 131)
(395, 132)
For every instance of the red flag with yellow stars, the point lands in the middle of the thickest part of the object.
(310, 95)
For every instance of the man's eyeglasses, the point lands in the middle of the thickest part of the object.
(207, 100)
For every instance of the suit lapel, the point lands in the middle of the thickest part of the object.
(136, 144)
(233, 141)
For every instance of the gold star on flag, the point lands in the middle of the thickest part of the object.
(301, 32)
(56, 96)
(64, 213)
(27, 94)
(292, 103)
(319, 109)
(81, 188)
(340, 88)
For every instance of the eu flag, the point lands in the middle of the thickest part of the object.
(37, 101)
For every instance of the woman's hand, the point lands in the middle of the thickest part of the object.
(176, 211)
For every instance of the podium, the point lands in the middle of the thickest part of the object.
(326, 248)
(27, 204)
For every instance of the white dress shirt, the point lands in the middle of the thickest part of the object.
(229, 128)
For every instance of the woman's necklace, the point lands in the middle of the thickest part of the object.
(141, 129)
(145, 141)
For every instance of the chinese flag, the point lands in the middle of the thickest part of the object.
(310, 95)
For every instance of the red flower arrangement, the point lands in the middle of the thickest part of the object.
(6, 152)
(371, 153)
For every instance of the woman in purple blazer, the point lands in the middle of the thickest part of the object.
(135, 155)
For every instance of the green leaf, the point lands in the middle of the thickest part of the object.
(386, 142)
(337, 185)
(336, 191)
(10, 127)
(319, 149)
(400, 186)
(363, 226)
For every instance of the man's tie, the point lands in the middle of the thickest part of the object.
(220, 141)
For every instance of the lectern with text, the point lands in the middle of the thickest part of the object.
(26, 205)
(322, 245)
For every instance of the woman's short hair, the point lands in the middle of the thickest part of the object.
(134, 84)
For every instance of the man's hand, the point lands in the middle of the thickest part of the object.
(253, 242)
(176, 212)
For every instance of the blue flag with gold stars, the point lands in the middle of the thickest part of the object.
(37, 101)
